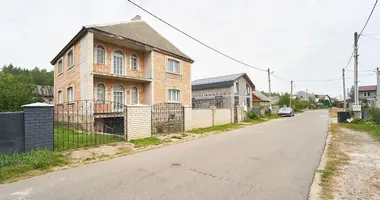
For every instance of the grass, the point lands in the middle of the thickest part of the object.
(336, 158)
(146, 142)
(220, 128)
(371, 129)
(17, 165)
(176, 137)
(66, 138)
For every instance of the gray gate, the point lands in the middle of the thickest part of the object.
(167, 118)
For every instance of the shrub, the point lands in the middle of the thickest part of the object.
(252, 115)
(374, 115)
(357, 121)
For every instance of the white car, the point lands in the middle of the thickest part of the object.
(286, 112)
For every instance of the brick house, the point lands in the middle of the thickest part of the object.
(128, 63)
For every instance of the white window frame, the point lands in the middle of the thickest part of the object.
(67, 57)
(168, 94)
(179, 65)
(137, 96)
(103, 101)
(60, 71)
(72, 96)
(236, 87)
(60, 97)
(137, 62)
(97, 55)
(123, 71)
(249, 90)
(115, 107)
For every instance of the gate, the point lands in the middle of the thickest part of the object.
(236, 114)
(87, 123)
(167, 118)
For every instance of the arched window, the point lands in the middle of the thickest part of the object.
(117, 97)
(100, 55)
(117, 62)
(134, 96)
(101, 93)
(134, 64)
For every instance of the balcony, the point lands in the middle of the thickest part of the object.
(134, 78)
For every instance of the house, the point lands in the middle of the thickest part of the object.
(302, 95)
(223, 91)
(124, 63)
(259, 99)
(367, 94)
(323, 99)
(45, 92)
(274, 99)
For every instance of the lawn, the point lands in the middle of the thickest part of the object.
(146, 142)
(220, 128)
(66, 138)
(15, 165)
(372, 129)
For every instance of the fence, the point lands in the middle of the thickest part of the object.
(211, 101)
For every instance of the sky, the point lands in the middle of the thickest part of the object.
(300, 40)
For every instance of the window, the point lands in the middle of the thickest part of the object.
(118, 97)
(365, 94)
(100, 93)
(70, 58)
(172, 66)
(60, 97)
(100, 55)
(173, 95)
(248, 102)
(134, 62)
(236, 87)
(134, 96)
(117, 62)
(60, 66)
(70, 94)
(248, 89)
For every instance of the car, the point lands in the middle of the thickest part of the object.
(286, 112)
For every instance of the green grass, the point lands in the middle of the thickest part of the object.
(66, 138)
(16, 165)
(176, 137)
(146, 142)
(220, 128)
(371, 129)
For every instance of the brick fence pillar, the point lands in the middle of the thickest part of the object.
(39, 126)
(139, 121)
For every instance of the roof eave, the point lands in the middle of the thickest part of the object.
(78, 36)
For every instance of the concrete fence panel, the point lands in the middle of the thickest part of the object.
(222, 116)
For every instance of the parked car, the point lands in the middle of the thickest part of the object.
(286, 112)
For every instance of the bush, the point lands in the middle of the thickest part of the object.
(252, 115)
(357, 121)
(374, 115)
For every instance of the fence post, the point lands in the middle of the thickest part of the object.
(39, 126)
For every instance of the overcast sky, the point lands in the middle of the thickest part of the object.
(298, 39)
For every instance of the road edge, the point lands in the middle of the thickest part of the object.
(315, 188)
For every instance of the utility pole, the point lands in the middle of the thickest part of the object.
(291, 93)
(357, 108)
(377, 100)
(344, 90)
(270, 93)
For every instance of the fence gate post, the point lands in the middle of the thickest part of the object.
(39, 126)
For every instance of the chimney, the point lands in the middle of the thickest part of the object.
(137, 17)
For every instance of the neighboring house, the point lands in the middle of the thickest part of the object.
(259, 99)
(367, 94)
(126, 63)
(223, 91)
(302, 95)
(323, 99)
(274, 100)
(46, 93)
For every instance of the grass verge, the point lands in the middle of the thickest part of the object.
(371, 129)
(66, 138)
(146, 142)
(16, 165)
(335, 159)
(220, 128)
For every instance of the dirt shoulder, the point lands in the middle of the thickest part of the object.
(350, 168)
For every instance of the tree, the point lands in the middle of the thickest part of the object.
(351, 94)
(38, 76)
(284, 100)
(15, 91)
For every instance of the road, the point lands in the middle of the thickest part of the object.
(273, 160)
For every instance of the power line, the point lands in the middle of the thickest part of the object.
(367, 36)
(329, 80)
(365, 70)
(369, 17)
(352, 55)
(280, 78)
(200, 42)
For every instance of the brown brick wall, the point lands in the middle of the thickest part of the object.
(109, 83)
(106, 68)
(164, 80)
(68, 77)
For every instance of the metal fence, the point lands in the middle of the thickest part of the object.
(167, 118)
(86, 123)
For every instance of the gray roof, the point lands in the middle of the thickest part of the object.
(215, 82)
(275, 98)
(365, 88)
(135, 30)
(44, 91)
(303, 95)
(260, 95)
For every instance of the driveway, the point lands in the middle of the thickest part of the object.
(273, 160)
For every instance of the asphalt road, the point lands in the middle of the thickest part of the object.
(273, 160)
